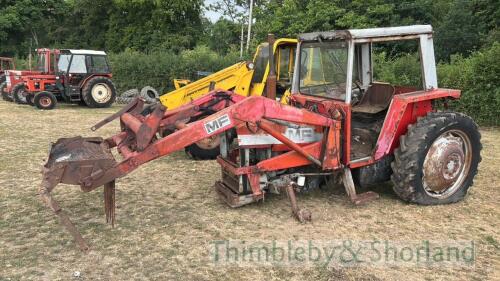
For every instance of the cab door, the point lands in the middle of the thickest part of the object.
(284, 50)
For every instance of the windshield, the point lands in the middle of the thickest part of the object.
(323, 69)
(260, 63)
(40, 62)
(63, 62)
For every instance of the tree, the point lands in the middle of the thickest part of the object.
(150, 25)
(25, 23)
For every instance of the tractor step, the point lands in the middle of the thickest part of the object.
(74, 94)
(75, 98)
(233, 199)
(363, 198)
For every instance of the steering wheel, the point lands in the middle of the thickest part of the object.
(357, 94)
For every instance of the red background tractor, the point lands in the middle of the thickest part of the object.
(82, 76)
(13, 89)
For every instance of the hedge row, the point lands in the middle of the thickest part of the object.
(132, 69)
(478, 76)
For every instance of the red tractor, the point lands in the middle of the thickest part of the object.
(5, 64)
(13, 89)
(82, 76)
(340, 125)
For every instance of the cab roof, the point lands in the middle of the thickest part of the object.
(83, 52)
(368, 33)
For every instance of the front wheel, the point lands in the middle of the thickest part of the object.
(30, 99)
(45, 100)
(19, 93)
(437, 159)
(3, 91)
(99, 92)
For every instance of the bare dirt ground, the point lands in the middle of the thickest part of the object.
(168, 213)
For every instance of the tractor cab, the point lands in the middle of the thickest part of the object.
(46, 61)
(334, 73)
(75, 67)
(6, 64)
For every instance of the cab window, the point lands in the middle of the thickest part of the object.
(78, 64)
(285, 63)
(98, 64)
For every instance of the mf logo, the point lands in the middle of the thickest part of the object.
(219, 123)
(300, 134)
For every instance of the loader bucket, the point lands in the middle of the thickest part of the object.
(75, 161)
(71, 160)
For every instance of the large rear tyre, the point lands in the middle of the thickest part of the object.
(19, 93)
(205, 150)
(437, 159)
(45, 100)
(99, 92)
(3, 91)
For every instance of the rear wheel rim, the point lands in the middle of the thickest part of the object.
(101, 93)
(447, 164)
(45, 101)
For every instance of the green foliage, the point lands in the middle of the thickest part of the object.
(403, 70)
(153, 41)
(133, 69)
(112, 25)
(24, 23)
(222, 36)
(478, 76)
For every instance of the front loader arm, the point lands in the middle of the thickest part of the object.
(88, 162)
(250, 110)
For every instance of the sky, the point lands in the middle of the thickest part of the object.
(212, 16)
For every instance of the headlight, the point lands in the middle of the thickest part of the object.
(250, 65)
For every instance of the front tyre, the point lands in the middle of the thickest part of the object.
(19, 93)
(30, 99)
(99, 92)
(437, 159)
(45, 100)
(3, 91)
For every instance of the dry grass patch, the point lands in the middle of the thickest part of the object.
(168, 213)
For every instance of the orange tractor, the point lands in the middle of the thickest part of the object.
(13, 88)
(339, 124)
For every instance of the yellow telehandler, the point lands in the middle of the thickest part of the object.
(246, 78)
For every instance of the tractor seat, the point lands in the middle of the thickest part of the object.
(376, 99)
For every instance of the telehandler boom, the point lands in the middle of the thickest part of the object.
(270, 69)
